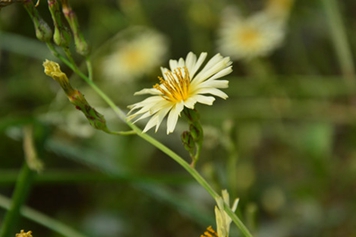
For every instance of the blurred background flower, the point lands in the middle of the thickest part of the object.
(134, 52)
(249, 37)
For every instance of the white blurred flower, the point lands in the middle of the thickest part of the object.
(182, 86)
(223, 220)
(136, 51)
(246, 38)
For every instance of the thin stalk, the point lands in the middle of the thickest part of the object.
(124, 133)
(338, 34)
(237, 221)
(193, 172)
(89, 68)
(197, 154)
(22, 189)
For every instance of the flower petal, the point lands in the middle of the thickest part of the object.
(197, 65)
(215, 65)
(151, 91)
(221, 73)
(207, 100)
(190, 62)
(156, 119)
(213, 91)
(173, 117)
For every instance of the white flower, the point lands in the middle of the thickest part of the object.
(250, 37)
(223, 220)
(183, 85)
(136, 51)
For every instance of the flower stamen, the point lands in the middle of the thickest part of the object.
(176, 87)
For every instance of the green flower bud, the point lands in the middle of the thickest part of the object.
(62, 35)
(81, 45)
(43, 31)
(196, 132)
(192, 115)
(188, 141)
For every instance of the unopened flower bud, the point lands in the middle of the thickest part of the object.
(192, 115)
(53, 70)
(188, 141)
(62, 35)
(81, 45)
(196, 131)
(43, 31)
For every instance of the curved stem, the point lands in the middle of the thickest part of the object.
(193, 172)
(89, 68)
(237, 221)
(125, 133)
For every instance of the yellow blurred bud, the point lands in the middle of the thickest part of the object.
(53, 70)
(24, 234)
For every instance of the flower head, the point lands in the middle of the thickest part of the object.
(182, 86)
(250, 37)
(131, 56)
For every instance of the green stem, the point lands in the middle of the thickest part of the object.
(42, 219)
(69, 56)
(237, 221)
(89, 68)
(338, 34)
(22, 189)
(197, 154)
(125, 133)
(178, 159)
(157, 144)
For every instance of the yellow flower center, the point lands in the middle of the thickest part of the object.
(176, 87)
(248, 37)
(132, 57)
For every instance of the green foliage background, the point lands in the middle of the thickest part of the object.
(284, 142)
